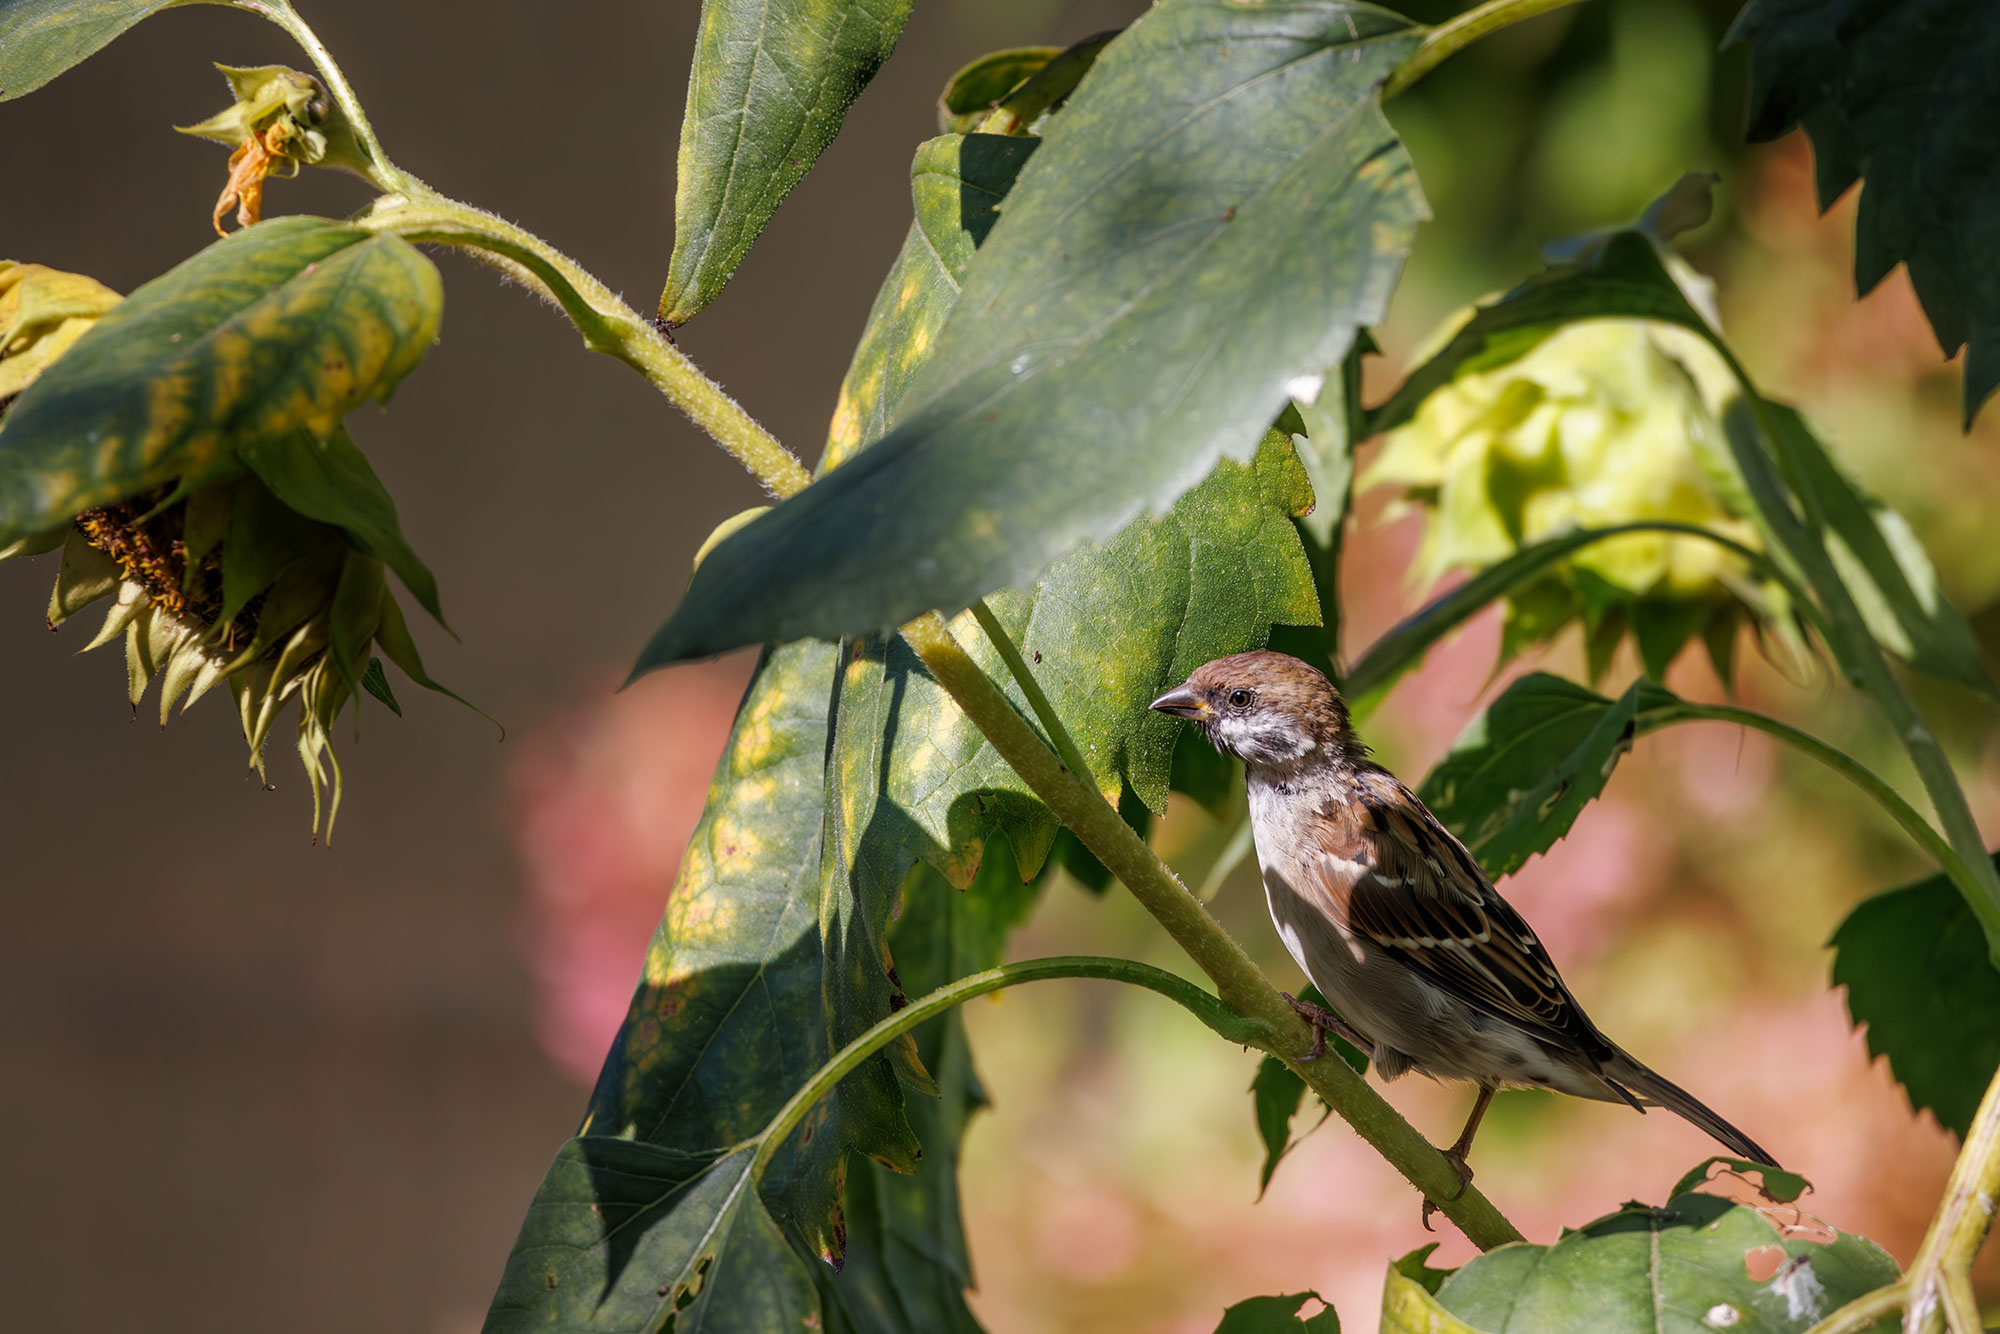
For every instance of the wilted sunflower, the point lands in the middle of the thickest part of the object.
(281, 120)
(262, 564)
(1603, 423)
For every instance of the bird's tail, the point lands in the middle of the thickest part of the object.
(1627, 1075)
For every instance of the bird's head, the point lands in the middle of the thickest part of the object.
(1264, 708)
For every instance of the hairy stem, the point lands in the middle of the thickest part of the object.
(1182, 992)
(1890, 800)
(607, 324)
(1239, 982)
(1447, 39)
(1045, 712)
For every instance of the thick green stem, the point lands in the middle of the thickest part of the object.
(1890, 800)
(1239, 982)
(1454, 35)
(1182, 992)
(1045, 712)
(607, 324)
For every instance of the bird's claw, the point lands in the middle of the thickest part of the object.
(1324, 1021)
(1456, 1158)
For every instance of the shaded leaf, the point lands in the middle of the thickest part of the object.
(725, 1023)
(625, 1235)
(1878, 557)
(1164, 269)
(771, 83)
(39, 39)
(907, 1263)
(1517, 777)
(1915, 965)
(1276, 1094)
(329, 479)
(1902, 94)
(284, 326)
(1280, 1315)
(1699, 1264)
(376, 682)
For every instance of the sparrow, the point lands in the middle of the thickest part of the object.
(1428, 968)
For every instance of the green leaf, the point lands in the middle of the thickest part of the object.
(1904, 95)
(772, 81)
(970, 95)
(956, 185)
(285, 326)
(329, 480)
(1917, 974)
(376, 682)
(1517, 778)
(1280, 1315)
(1774, 1182)
(727, 1021)
(1164, 271)
(1697, 1265)
(1877, 555)
(1276, 1094)
(629, 1236)
(1416, 1266)
(39, 39)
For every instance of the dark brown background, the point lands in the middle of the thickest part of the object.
(246, 1082)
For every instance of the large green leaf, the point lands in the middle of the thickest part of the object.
(726, 1022)
(1517, 778)
(628, 1236)
(1902, 94)
(1917, 974)
(772, 81)
(1890, 577)
(1166, 271)
(1697, 1265)
(39, 39)
(285, 326)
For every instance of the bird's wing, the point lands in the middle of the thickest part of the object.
(1415, 891)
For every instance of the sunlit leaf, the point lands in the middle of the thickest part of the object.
(1162, 273)
(1699, 1264)
(771, 83)
(284, 326)
(1902, 94)
(1517, 778)
(1915, 965)
(39, 39)
(970, 94)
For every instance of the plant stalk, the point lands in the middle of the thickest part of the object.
(1239, 982)
(1045, 712)
(1447, 39)
(1891, 801)
(1182, 992)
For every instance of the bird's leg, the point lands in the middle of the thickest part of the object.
(1325, 1021)
(1462, 1146)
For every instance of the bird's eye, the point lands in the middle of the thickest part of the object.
(1240, 699)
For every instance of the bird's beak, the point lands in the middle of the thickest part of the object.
(1182, 702)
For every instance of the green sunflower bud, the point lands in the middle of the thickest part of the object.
(1603, 423)
(281, 119)
(267, 570)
